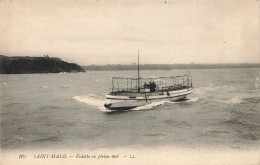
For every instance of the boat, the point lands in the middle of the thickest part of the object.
(130, 93)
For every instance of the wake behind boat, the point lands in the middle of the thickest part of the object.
(129, 93)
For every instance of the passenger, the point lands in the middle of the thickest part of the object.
(152, 87)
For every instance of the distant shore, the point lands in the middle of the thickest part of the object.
(46, 64)
(169, 66)
(27, 65)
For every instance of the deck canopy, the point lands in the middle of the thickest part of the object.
(121, 84)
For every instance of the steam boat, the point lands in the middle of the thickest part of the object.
(129, 93)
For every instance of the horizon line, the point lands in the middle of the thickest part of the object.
(176, 64)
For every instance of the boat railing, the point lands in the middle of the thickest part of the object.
(160, 84)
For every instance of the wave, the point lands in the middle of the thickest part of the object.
(257, 82)
(155, 104)
(154, 134)
(233, 100)
(92, 99)
(254, 98)
(19, 138)
(185, 101)
(203, 90)
(243, 120)
(176, 122)
(236, 100)
(224, 94)
(54, 139)
(14, 104)
(149, 106)
(98, 101)
(192, 99)
(49, 107)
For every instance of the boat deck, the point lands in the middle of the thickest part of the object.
(143, 91)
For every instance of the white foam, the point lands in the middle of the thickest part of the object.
(19, 138)
(203, 90)
(209, 90)
(257, 82)
(155, 104)
(92, 99)
(98, 101)
(233, 100)
(5, 84)
(44, 86)
(149, 106)
(103, 109)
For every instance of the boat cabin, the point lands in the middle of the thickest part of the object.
(122, 86)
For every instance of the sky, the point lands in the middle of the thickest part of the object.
(111, 32)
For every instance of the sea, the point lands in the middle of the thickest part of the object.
(65, 110)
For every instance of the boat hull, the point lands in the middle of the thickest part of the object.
(121, 103)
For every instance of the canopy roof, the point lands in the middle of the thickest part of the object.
(151, 78)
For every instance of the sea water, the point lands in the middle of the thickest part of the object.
(66, 110)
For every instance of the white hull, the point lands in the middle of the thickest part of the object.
(122, 102)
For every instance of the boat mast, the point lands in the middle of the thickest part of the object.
(138, 74)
